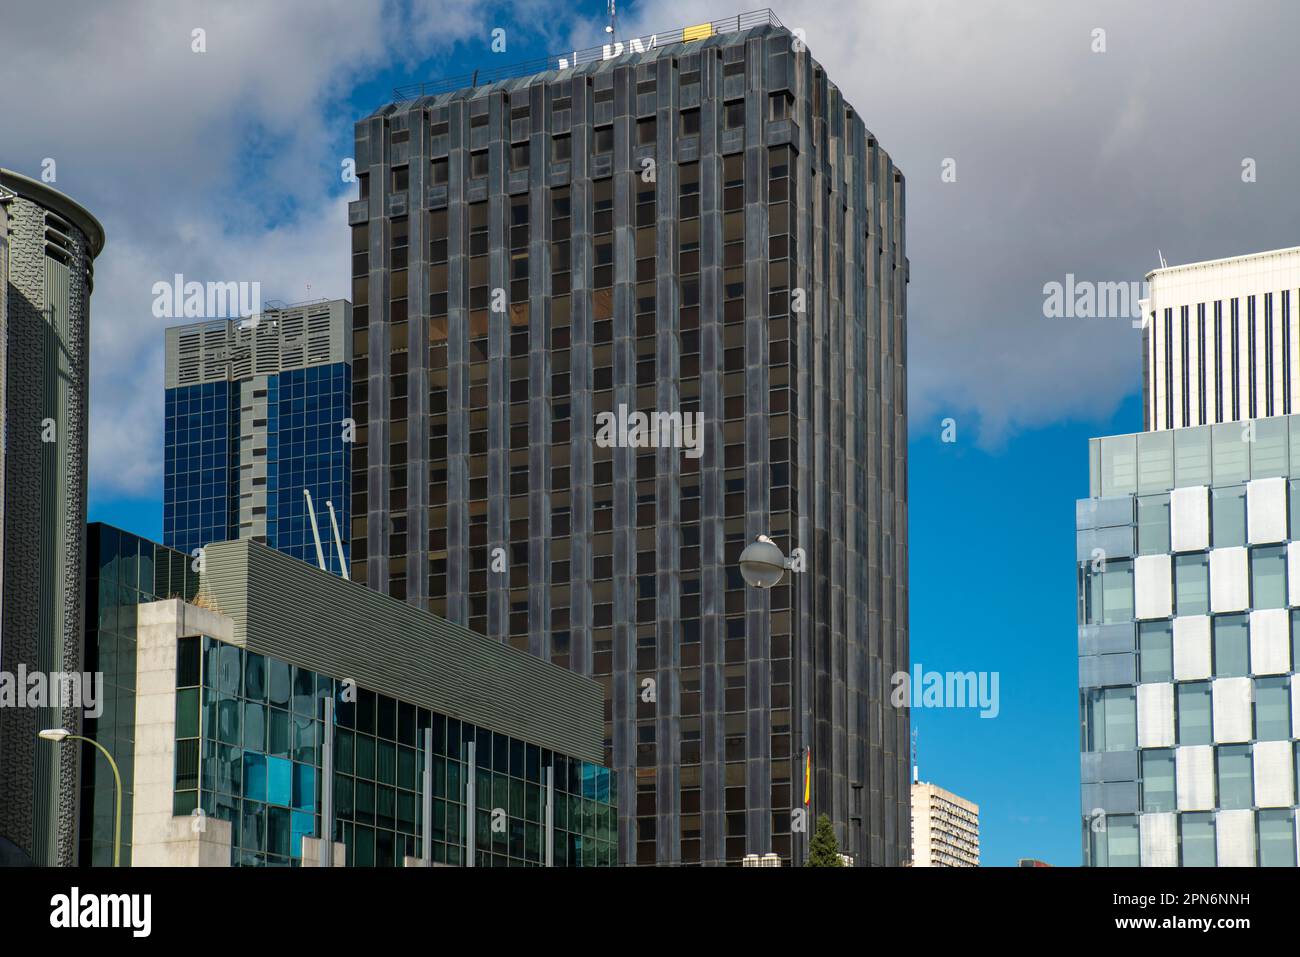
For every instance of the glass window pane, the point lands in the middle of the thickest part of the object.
(1197, 837)
(255, 776)
(1156, 651)
(1268, 576)
(229, 669)
(278, 683)
(1277, 838)
(254, 726)
(1230, 453)
(304, 691)
(1268, 451)
(279, 781)
(1194, 712)
(1228, 516)
(228, 714)
(277, 831)
(1272, 709)
(1236, 784)
(277, 732)
(255, 677)
(343, 748)
(1118, 465)
(302, 825)
(1122, 840)
(1117, 591)
(386, 767)
(1192, 584)
(304, 738)
(1191, 457)
(406, 764)
(1231, 646)
(187, 713)
(1155, 461)
(1153, 524)
(252, 831)
(304, 787)
(365, 756)
(1120, 719)
(1158, 780)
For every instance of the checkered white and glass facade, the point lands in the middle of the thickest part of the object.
(1188, 562)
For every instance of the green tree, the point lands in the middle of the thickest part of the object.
(824, 851)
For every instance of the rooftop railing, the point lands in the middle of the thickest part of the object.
(575, 58)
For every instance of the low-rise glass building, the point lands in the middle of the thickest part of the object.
(272, 704)
(1188, 562)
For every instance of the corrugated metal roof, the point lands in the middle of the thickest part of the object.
(291, 610)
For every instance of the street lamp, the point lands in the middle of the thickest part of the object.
(762, 563)
(59, 735)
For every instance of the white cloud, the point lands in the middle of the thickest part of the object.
(1067, 161)
(218, 165)
(224, 165)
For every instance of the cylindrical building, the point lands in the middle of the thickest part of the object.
(47, 246)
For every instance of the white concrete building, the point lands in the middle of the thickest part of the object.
(1220, 340)
(945, 828)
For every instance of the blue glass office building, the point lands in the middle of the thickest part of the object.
(256, 412)
(200, 448)
(441, 747)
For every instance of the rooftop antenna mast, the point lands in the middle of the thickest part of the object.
(612, 28)
(338, 541)
(916, 764)
(1161, 257)
(315, 531)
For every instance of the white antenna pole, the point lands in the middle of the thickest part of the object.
(338, 541)
(315, 532)
(612, 29)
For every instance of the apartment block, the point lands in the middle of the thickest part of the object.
(945, 828)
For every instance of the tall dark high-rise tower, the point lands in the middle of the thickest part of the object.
(692, 223)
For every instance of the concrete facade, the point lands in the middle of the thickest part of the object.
(48, 246)
(516, 273)
(1221, 340)
(160, 839)
(945, 828)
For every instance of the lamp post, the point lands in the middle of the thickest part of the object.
(763, 565)
(58, 735)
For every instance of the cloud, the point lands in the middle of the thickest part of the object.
(225, 165)
(1068, 161)
(222, 165)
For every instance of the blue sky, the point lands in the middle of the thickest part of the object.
(226, 166)
(993, 589)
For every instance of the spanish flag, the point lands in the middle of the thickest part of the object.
(807, 776)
